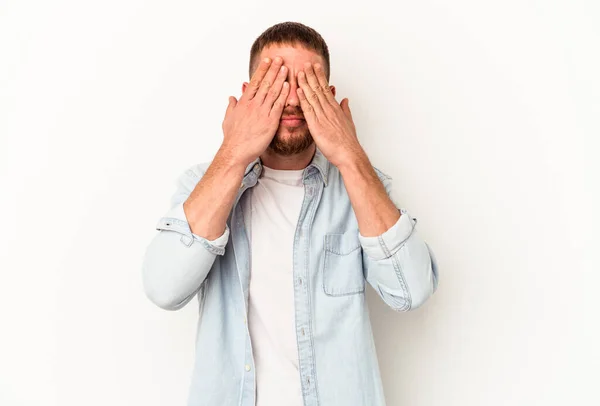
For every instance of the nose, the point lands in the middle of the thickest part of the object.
(292, 99)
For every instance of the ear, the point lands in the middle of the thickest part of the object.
(332, 90)
(244, 87)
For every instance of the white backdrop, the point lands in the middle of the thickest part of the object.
(485, 113)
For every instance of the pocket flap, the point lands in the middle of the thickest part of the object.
(342, 244)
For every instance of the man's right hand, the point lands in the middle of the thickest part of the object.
(250, 123)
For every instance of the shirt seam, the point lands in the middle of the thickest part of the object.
(399, 274)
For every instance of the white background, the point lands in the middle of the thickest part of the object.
(485, 113)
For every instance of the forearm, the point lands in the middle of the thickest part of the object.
(397, 262)
(375, 211)
(208, 206)
(176, 262)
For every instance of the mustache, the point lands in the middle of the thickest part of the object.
(292, 113)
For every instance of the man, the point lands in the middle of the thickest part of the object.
(276, 237)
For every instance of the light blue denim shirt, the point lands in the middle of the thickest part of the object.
(332, 260)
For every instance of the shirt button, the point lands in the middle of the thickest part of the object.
(302, 330)
(247, 367)
(300, 281)
(245, 320)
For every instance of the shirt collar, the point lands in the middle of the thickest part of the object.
(318, 161)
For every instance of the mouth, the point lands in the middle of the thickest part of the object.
(292, 121)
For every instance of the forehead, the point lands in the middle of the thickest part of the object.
(293, 55)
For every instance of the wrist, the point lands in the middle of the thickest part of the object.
(229, 159)
(355, 160)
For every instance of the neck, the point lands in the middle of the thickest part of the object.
(292, 162)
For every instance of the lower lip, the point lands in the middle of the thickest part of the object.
(292, 122)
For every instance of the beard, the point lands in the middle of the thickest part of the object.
(290, 141)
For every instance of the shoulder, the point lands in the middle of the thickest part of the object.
(382, 175)
(192, 175)
(197, 170)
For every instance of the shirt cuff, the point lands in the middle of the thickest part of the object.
(217, 245)
(385, 245)
(219, 242)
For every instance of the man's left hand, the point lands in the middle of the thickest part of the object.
(329, 123)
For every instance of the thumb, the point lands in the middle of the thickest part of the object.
(345, 104)
(232, 104)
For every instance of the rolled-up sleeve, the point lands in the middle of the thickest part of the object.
(381, 246)
(177, 262)
(399, 265)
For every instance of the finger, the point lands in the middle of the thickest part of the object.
(345, 104)
(276, 88)
(320, 72)
(256, 79)
(232, 104)
(314, 83)
(279, 104)
(268, 80)
(307, 108)
(309, 95)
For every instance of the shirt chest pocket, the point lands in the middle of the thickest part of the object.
(342, 264)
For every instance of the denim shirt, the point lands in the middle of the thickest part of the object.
(332, 262)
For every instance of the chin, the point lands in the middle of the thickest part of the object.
(292, 142)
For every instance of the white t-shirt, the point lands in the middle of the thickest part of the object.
(271, 215)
